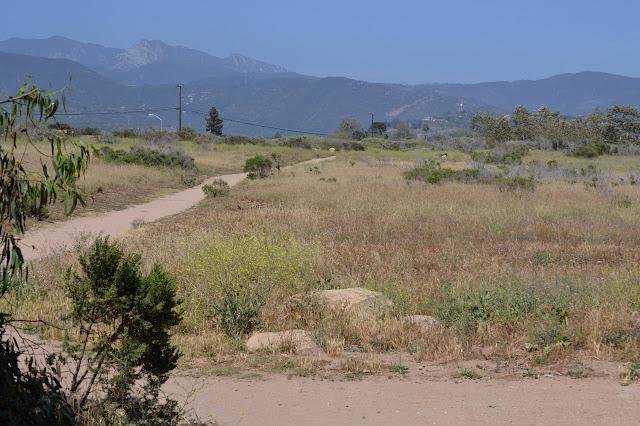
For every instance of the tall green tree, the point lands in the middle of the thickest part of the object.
(350, 128)
(484, 125)
(378, 128)
(214, 122)
(403, 131)
(523, 124)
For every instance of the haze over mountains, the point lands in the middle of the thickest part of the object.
(144, 76)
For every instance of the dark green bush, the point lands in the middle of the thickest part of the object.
(296, 142)
(123, 351)
(430, 174)
(353, 146)
(126, 133)
(257, 167)
(187, 133)
(584, 151)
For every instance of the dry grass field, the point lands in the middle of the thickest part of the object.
(112, 186)
(548, 276)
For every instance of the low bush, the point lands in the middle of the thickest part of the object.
(161, 138)
(187, 133)
(584, 151)
(239, 140)
(517, 183)
(434, 174)
(381, 143)
(217, 188)
(152, 157)
(296, 142)
(257, 167)
(126, 133)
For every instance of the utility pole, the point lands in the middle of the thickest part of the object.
(179, 86)
(372, 114)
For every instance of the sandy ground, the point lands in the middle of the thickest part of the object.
(417, 399)
(427, 394)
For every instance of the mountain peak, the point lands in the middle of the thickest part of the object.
(245, 64)
(140, 54)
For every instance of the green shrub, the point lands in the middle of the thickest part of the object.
(296, 142)
(238, 140)
(430, 174)
(217, 188)
(123, 352)
(257, 167)
(381, 143)
(516, 184)
(126, 133)
(187, 133)
(152, 157)
(584, 151)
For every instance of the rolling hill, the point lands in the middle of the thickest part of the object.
(312, 105)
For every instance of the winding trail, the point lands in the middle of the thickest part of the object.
(56, 236)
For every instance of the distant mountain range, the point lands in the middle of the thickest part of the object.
(148, 62)
(106, 80)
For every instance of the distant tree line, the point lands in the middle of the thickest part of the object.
(601, 129)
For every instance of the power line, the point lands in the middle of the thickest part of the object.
(264, 126)
(205, 114)
(115, 112)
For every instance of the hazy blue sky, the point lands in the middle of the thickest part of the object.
(391, 41)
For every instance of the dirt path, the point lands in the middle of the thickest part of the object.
(278, 400)
(51, 238)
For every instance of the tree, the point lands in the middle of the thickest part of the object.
(622, 124)
(484, 124)
(350, 128)
(523, 124)
(503, 131)
(378, 128)
(214, 122)
(425, 127)
(403, 131)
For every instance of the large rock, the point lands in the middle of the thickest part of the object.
(355, 297)
(299, 341)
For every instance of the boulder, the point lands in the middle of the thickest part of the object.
(299, 341)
